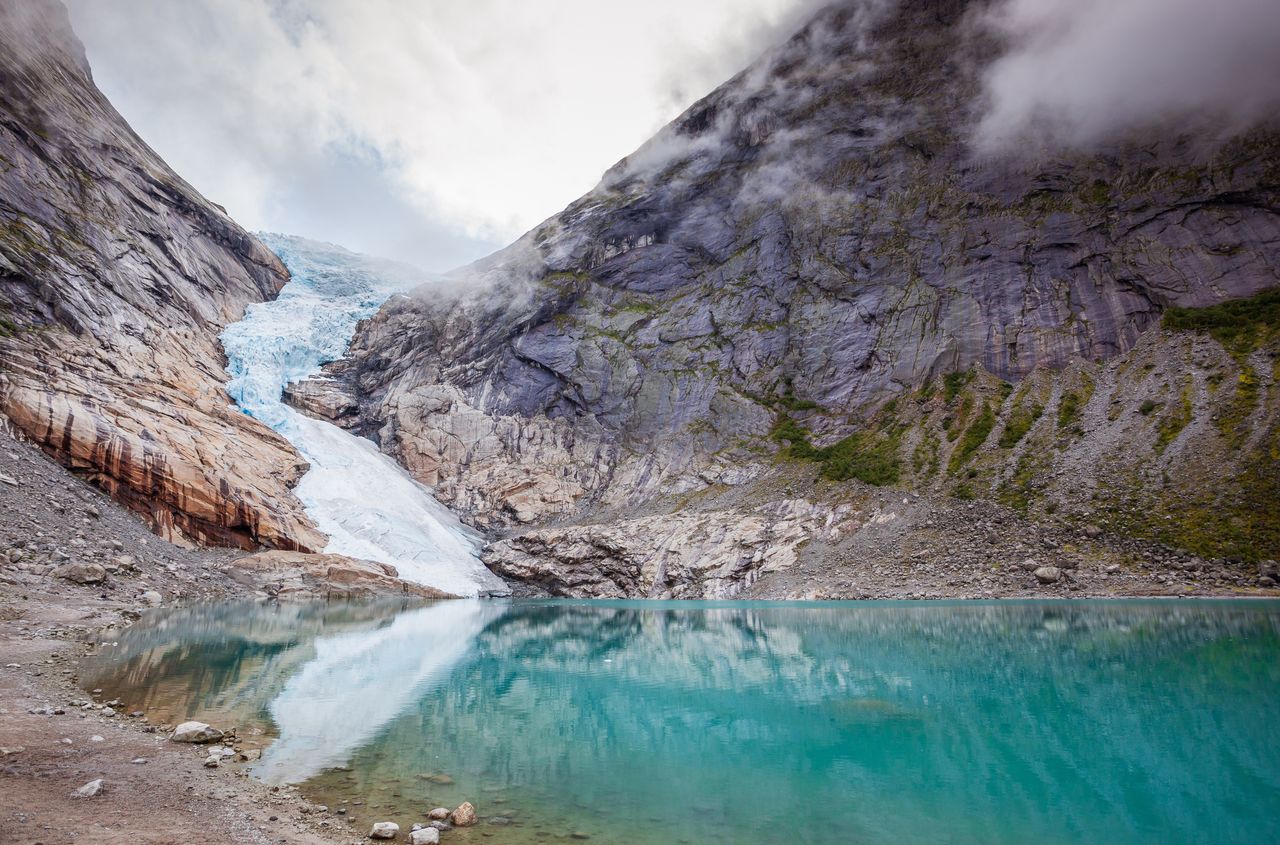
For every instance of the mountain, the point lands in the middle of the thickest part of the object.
(808, 295)
(116, 278)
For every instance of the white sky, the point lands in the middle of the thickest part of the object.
(428, 130)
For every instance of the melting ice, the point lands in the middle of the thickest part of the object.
(367, 504)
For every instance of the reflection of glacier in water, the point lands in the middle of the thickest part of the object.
(649, 722)
(367, 504)
(358, 682)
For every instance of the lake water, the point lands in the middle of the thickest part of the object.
(644, 722)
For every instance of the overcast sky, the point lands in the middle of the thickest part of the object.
(428, 130)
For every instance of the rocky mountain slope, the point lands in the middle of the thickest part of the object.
(808, 292)
(115, 280)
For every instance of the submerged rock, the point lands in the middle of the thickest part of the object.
(438, 814)
(464, 816)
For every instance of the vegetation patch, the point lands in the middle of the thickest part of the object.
(1232, 418)
(974, 436)
(1019, 423)
(871, 456)
(953, 383)
(1241, 325)
(1172, 423)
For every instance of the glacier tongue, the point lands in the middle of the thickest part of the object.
(367, 504)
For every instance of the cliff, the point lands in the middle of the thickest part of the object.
(115, 279)
(811, 276)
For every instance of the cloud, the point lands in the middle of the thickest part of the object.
(427, 131)
(1080, 72)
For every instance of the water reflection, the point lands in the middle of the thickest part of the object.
(359, 681)
(646, 722)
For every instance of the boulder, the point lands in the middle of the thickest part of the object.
(81, 573)
(425, 836)
(439, 814)
(1048, 574)
(195, 732)
(151, 598)
(384, 830)
(464, 816)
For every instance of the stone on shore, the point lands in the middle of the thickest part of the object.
(425, 836)
(439, 814)
(384, 830)
(464, 816)
(81, 573)
(195, 732)
(90, 789)
(1048, 574)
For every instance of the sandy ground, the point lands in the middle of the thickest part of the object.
(46, 624)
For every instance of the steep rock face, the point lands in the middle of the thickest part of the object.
(815, 237)
(115, 280)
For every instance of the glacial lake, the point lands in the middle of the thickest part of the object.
(734, 722)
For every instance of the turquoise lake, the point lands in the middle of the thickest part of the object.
(729, 722)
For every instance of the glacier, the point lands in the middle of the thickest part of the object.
(367, 504)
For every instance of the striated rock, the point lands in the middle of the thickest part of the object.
(300, 576)
(115, 279)
(464, 816)
(195, 732)
(81, 573)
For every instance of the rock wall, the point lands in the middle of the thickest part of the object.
(811, 241)
(115, 279)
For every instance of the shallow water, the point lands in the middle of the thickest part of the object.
(746, 722)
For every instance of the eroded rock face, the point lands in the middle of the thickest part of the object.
(299, 576)
(816, 237)
(115, 279)
(688, 555)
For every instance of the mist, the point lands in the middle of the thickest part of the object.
(1077, 73)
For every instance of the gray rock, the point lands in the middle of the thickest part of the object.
(1048, 574)
(81, 573)
(425, 836)
(197, 732)
(384, 830)
(90, 789)
(151, 598)
(438, 813)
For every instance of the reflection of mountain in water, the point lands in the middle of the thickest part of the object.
(992, 723)
(1077, 723)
